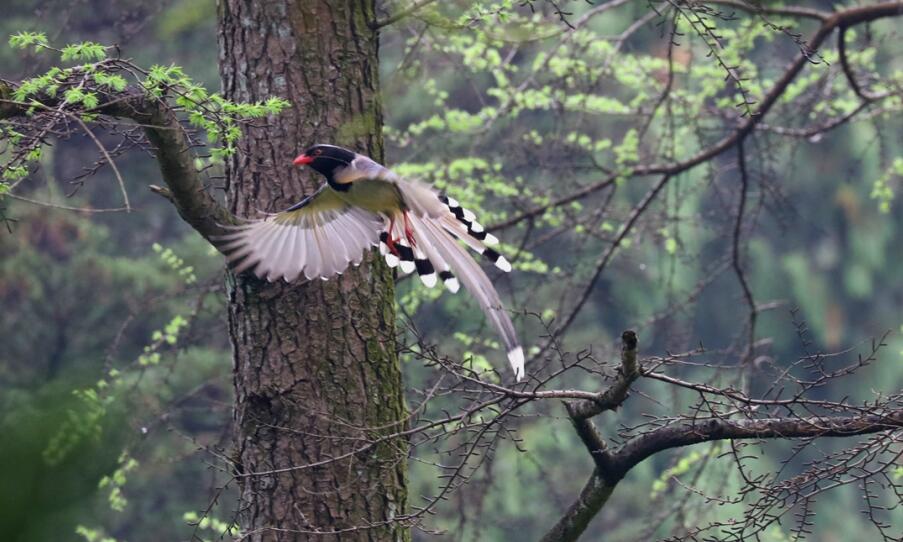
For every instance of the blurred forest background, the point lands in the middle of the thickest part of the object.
(137, 297)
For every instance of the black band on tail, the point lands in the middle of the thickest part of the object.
(491, 255)
(460, 214)
(424, 267)
(405, 253)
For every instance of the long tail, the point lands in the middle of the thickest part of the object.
(436, 248)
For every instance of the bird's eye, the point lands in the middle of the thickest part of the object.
(318, 152)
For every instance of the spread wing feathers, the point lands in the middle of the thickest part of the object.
(443, 251)
(319, 237)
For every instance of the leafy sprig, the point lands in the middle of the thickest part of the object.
(64, 93)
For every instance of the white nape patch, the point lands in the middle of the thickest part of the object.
(516, 358)
(452, 202)
(407, 266)
(491, 239)
(452, 285)
(469, 216)
(428, 280)
(476, 227)
(503, 264)
(391, 259)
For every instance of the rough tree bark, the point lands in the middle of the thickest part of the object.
(315, 363)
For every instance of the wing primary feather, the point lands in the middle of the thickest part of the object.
(303, 244)
(257, 239)
(292, 261)
(330, 256)
(339, 231)
(281, 248)
(268, 250)
(314, 254)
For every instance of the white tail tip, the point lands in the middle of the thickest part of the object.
(505, 266)
(452, 285)
(428, 280)
(516, 358)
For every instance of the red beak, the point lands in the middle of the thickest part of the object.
(302, 160)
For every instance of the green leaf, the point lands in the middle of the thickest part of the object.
(113, 81)
(670, 245)
(86, 50)
(23, 40)
(90, 100)
(73, 96)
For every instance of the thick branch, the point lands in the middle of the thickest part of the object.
(684, 434)
(194, 203)
(600, 485)
(174, 155)
(617, 393)
(592, 498)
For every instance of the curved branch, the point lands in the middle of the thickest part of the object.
(617, 393)
(864, 94)
(194, 204)
(611, 466)
(787, 11)
(172, 148)
(845, 18)
(841, 19)
(685, 434)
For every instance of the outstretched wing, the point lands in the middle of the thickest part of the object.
(318, 237)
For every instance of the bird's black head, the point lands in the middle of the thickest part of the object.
(325, 159)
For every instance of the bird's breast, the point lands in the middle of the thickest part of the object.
(374, 195)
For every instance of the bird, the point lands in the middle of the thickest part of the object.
(362, 205)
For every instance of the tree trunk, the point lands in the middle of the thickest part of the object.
(315, 363)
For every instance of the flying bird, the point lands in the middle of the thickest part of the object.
(364, 204)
